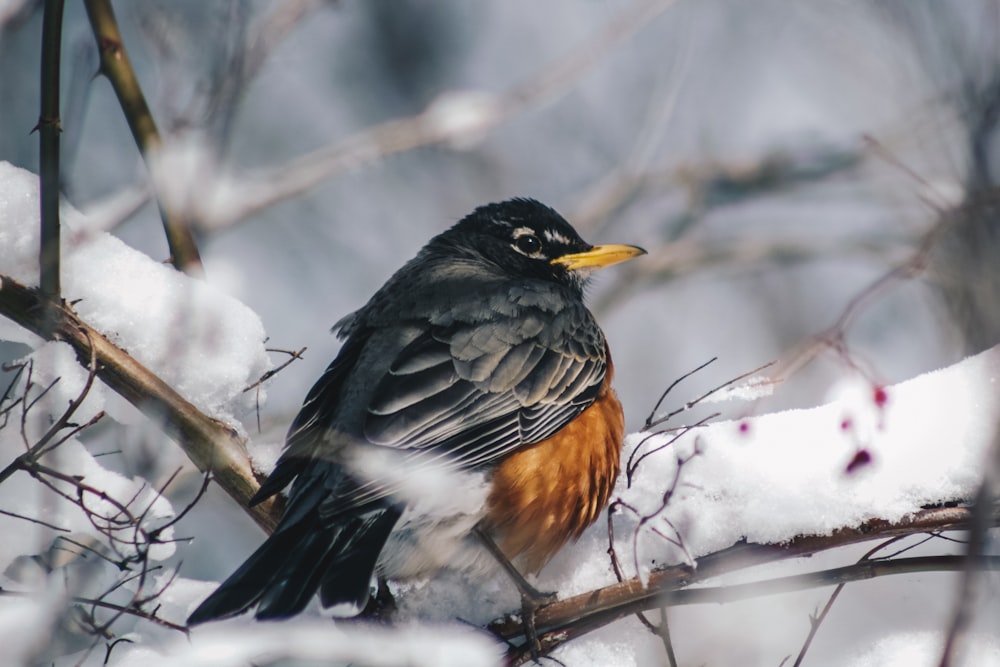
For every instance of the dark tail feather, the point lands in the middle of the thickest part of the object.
(244, 587)
(347, 578)
(296, 580)
(286, 571)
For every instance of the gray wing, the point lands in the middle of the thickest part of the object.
(470, 393)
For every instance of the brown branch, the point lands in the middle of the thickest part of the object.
(210, 444)
(562, 620)
(115, 65)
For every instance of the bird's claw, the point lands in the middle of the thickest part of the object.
(531, 601)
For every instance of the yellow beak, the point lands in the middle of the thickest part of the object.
(599, 256)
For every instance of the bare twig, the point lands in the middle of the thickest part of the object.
(632, 465)
(816, 621)
(292, 356)
(455, 117)
(688, 255)
(40, 522)
(131, 611)
(696, 401)
(982, 515)
(659, 402)
(38, 449)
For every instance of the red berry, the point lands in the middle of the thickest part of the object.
(880, 396)
(861, 458)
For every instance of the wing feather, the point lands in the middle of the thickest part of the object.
(503, 385)
(460, 394)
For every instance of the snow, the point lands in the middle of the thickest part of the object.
(923, 649)
(319, 640)
(872, 451)
(204, 343)
(772, 477)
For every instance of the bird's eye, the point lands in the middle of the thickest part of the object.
(528, 244)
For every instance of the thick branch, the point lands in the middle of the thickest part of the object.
(861, 571)
(209, 443)
(588, 611)
(115, 65)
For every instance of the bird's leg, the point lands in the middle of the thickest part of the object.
(382, 605)
(531, 597)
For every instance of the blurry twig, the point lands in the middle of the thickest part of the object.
(689, 255)
(625, 183)
(111, 211)
(456, 117)
(982, 519)
(115, 65)
(271, 30)
(817, 620)
(712, 186)
(131, 611)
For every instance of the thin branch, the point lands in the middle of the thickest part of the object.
(632, 465)
(650, 422)
(38, 449)
(663, 631)
(49, 127)
(982, 514)
(817, 620)
(115, 65)
(131, 611)
(659, 402)
(292, 356)
(40, 522)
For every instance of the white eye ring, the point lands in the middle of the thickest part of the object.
(527, 242)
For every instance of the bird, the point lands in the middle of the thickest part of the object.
(467, 420)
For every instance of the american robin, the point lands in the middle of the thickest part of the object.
(468, 416)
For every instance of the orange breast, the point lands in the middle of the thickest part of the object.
(547, 493)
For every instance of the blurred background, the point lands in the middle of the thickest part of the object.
(776, 159)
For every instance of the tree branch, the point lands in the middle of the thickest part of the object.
(115, 65)
(562, 620)
(210, 444)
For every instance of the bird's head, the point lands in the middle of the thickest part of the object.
(526, 239)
